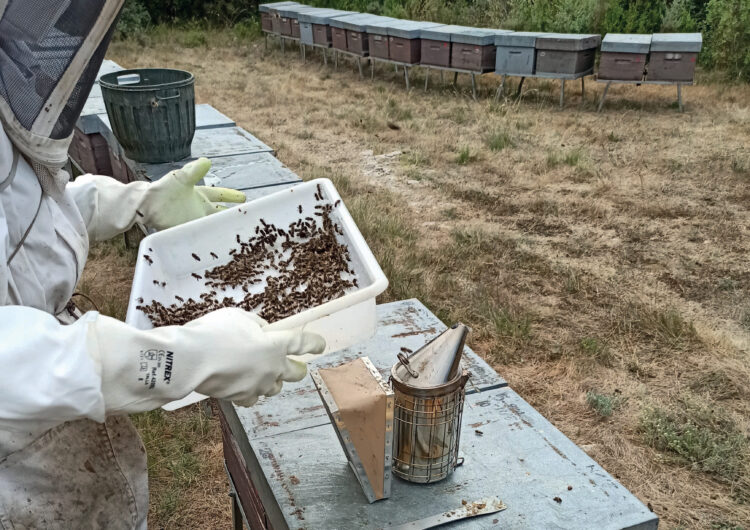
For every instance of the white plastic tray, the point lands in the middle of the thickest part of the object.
(342, 322)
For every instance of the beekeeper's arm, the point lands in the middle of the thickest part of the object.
(109, 207)
(100, 366)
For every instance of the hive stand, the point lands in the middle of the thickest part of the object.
(282, 41)
(562, 77)
(323, 49)
(287, 470)
(456, 71)
(679, 85)
(396, 64)
(358, 57)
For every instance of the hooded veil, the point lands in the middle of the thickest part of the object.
(50, 53)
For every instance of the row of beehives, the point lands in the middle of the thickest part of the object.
(624, 57)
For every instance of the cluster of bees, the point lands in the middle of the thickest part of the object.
(302, 266)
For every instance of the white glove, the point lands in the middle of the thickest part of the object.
(225, 354)
(109, 207)
(175, 199)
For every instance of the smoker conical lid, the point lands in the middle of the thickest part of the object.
(435, 363)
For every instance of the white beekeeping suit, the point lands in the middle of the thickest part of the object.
(69, 457)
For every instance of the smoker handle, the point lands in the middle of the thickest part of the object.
(405, 363)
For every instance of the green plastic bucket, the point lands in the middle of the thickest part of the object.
(152, 112)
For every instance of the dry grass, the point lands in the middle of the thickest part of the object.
(593, 254)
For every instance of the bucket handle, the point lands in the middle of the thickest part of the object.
(162, 98)
(157, 99)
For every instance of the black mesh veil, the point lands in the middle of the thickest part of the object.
(39, 43)
(72, 110)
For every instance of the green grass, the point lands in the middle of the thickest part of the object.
(745, 318)
(553, 159)
(509, 323)
(603, 404)
(698, 434)
(664, 326)
(450, 213)
(572, 281)
(170, 439)
(595, 349)
(612, 137)
(465, 156)
(414, 158)
(499, 140)
(395, 112)
(740, 165)
(574, 157)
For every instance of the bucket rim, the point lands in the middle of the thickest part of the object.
(106, 81)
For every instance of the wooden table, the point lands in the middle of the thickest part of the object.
(287, 469)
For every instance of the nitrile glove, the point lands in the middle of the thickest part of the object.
(175, 199)
(109, 207)
(225, 354)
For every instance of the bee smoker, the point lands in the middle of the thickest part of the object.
(429, 387)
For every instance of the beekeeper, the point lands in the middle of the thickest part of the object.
(69, 456)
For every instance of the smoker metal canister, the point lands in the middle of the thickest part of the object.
(427, 428)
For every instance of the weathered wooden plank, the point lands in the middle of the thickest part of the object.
(257, 193)
(407, 323)
(108, 66)
(207, 117)
(510, 451)
(239, 172)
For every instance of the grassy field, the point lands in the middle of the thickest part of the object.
(601, 259)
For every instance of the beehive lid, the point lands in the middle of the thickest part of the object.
(360, 405)
(381, 27)
(441, 33)
(354, 22)
(410, 29)
(371, 20)
(265, 8)
(567, 41)
(522, 39)
(676, 42)
(626, 43)
(477, 36)
(323, 16)
(293, 11)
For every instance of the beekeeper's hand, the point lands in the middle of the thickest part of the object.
(175, 199)
(226, 354)
(109, 207)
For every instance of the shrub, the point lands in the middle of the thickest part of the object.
(247, 29)
(728, 37)
(603, 404)
(679, 18)
(699, 434)
(134, 20)
(634, 16)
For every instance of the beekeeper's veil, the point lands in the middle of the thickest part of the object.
(50, 53)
